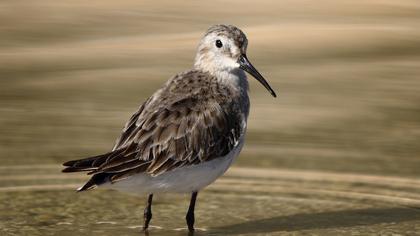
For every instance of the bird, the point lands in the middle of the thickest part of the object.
(187, 133)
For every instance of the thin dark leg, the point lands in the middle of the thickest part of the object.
(190, 214)
(148, 212)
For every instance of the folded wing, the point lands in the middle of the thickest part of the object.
(161, 137)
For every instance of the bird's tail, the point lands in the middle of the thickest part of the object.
(85, 164)
(89, 164)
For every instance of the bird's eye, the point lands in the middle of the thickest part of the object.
(219, 44)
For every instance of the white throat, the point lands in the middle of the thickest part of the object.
(235, 78)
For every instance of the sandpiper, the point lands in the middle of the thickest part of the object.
(188, 132)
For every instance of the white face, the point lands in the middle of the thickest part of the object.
(218, 53)
(222, 52)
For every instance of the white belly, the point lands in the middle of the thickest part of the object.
(184, 179)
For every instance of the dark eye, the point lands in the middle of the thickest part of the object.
(219, 44)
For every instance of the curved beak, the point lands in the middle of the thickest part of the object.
(245, 65)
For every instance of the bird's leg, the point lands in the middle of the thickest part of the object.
(148, 212)
(190, 214)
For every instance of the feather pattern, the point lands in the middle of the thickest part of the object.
(192, 119)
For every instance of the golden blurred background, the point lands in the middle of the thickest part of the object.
(347, 75)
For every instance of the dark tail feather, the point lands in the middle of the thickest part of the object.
(96, 180)
(89, 164)
(85, 164)
(92, 164)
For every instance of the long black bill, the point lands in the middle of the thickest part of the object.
(248, 67)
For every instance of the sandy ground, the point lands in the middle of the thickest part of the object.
(336, 153)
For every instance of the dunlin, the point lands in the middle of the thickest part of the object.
(188, 132)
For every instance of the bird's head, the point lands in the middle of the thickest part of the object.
(223, 49)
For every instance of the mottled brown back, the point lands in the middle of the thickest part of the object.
(191, 120)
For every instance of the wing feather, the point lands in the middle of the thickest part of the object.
(170, 130)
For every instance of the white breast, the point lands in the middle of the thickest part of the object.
(184, 179)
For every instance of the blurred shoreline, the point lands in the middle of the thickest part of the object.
(346, 73)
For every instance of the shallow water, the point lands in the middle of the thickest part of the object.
(337, 153)
(271, 202)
